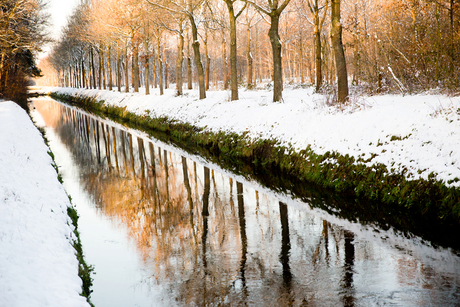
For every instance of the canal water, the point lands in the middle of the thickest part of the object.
(166, 228)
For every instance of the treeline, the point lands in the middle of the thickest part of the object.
(404, 46)
(22, 33)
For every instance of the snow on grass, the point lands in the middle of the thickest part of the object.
(415, 135)
(38, 266)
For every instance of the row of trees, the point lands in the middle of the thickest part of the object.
(403, 45)
(22, 33)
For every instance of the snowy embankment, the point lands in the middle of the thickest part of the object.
(414, 135)
(38, 266)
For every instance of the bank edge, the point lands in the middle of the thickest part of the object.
(84, 270)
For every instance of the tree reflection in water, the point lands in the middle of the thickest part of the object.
(205, 251)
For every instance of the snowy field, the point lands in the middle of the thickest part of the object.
(418, 134)
(38, 266)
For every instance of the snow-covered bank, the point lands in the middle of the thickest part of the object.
(415, 135)
(38, 266)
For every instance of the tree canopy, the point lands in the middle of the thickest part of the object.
(401, 46)
(22, 34)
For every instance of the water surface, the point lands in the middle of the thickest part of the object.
(166, 228)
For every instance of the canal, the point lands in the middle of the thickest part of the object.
(163, 227)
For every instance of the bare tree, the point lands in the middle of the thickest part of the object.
(339, 54)
(315, 10)
(273, 10)
(233, 56)
(22, 33)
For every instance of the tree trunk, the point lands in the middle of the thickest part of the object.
(109, 63)
(276, 52)
(126, 68)
(198, 64)
(147, 69)
(318, 60)
(166, 71)
(118, 67)
(452, 32)
(337, 46)
(69, 81)
(93, 70)
(83, 74)
(154, 68)
(103, 67)
(135, 67)
(208, 60)
(250, 69)
(160, 66)
(99, 73)
(302, 75)
(233, 52)
(224, 60)
(189, 65)
(257, 73)
(179, 61)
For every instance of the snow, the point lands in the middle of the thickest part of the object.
(415, 135)
(38, 266)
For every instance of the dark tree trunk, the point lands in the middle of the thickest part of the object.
(118, 67)
(189, 65)
(337, 46)
(224, 60)
(233, 51)
(109, 63)
(250, 69)
(83, 74)
(166, 69)
(179, 61)
(154, 68)
(208, 61)
(276, 51)
(93, 70)
(126, 68)
(99, 81)
(318, 61)
(103, 68)
(198, 64)
(147, 69)
(160, 67)
(135, 68)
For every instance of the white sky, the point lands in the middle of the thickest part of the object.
(59, 11)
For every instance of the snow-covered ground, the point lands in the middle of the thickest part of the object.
(38, 266)
(419, 134)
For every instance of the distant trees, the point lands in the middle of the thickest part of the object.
(381, 46)
(22, 33)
